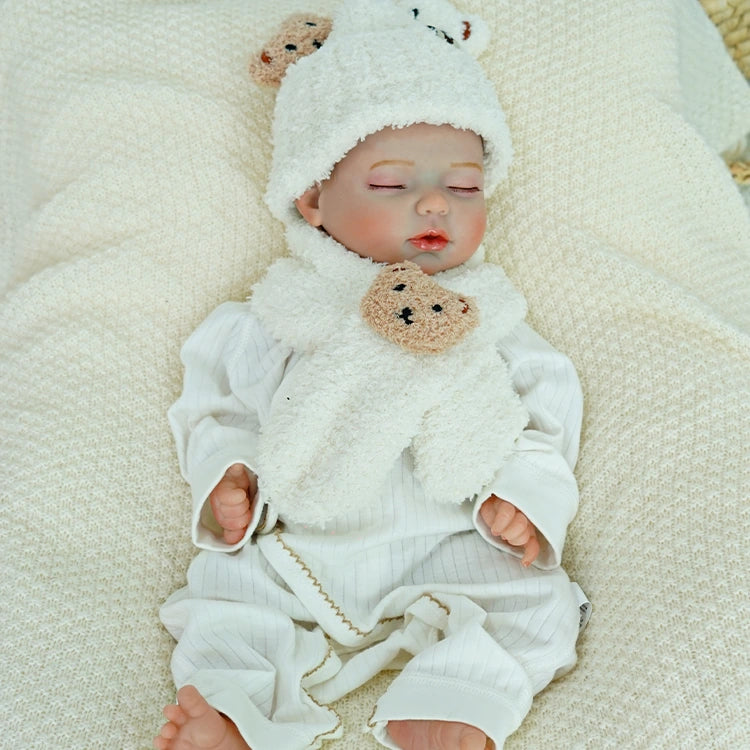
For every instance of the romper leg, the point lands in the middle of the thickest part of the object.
(250, 659)
(499, 644)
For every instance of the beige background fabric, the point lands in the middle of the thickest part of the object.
(133, 154)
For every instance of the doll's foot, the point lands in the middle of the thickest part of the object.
(193, 725)
(438, 735)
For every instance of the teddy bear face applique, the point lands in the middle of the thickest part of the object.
(409, 308)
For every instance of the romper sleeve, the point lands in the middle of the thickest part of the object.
(538, 475)
(232, 369)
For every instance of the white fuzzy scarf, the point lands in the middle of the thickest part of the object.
(355, 400)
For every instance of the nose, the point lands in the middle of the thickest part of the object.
(432, 202)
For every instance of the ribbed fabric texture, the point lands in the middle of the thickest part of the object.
(134, 153)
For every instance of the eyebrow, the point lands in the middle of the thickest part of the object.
(454, 165)
(392, 161)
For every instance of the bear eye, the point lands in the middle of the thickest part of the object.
(399, 287)
(291, 47)
(437, 308)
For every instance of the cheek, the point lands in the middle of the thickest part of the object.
(476, 225)
(367, 227)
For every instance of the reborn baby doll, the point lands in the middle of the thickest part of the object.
(380, 450)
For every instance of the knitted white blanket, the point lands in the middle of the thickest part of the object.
(133, 155)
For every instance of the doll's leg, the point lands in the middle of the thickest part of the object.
(248, 647)
(496, 650)
(192, 724)
(438, 735)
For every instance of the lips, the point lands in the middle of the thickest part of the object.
(431, 241)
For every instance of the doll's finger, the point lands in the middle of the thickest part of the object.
(236, 476)
(233, 522)
(518, 531)
(531, 551)
(518, 540)
(232, 536)
(487, 511)
(235, 470)
(236, 522)
(234, 528)
(228, 516)
(229, 498)
(232, 517)
(234, 503)
(504, 515)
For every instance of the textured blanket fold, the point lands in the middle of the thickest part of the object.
(134, 154)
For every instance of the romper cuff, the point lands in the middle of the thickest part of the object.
(206, 533)
(548, 500)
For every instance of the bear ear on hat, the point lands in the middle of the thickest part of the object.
(475, 34)
(299, 35)
(463, 29)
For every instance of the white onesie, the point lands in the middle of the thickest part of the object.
(296, 615)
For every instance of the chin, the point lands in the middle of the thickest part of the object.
(431, 264)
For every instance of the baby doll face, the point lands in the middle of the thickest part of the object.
(413, 193)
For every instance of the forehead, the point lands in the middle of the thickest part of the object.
(416, 142)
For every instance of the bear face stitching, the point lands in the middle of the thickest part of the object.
(299, 35)
(442, 34)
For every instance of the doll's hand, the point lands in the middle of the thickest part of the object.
(231, 502)
(512, 526)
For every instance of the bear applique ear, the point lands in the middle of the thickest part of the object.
(462, 29)
(298, 36)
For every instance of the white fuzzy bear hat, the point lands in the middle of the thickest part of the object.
(385, 63)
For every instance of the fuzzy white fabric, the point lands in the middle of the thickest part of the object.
(134, 154)
(381, 67)
(356, 400)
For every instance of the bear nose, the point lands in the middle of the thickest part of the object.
(405, 315)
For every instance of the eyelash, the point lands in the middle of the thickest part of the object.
(454, 188)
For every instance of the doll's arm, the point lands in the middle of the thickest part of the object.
(537, 478)
(232, 370)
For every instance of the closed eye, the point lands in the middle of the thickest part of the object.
(464, 190)
(373, 186)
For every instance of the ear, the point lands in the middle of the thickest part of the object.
(308, 205)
